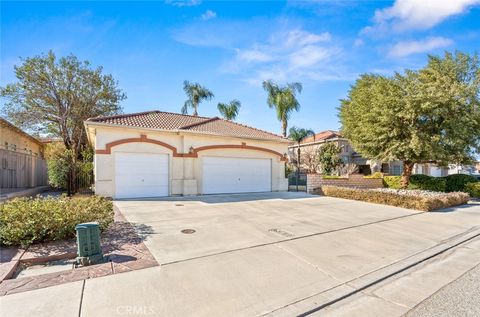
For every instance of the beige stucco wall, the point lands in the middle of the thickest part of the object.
(23, 143)
(185, 173)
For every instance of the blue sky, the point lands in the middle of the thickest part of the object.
(230, 47)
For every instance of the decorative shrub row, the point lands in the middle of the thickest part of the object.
(450, 183)
(473, 189)
(28, 220)
(457, 182)
(418, 202)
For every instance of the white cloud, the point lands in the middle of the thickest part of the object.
(209, 14)
(183, 3)
(417, 14)
(309, 56)
(287, 56)
(254, 55)
(358, 43)
(405, 48)
(300, 38)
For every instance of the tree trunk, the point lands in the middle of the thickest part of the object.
(284, 128)
(407, 172)
(195, 112)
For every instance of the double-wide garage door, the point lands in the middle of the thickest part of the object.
(236, 175)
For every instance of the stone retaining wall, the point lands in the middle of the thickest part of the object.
(355, 180)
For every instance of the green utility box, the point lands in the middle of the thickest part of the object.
(89, 250)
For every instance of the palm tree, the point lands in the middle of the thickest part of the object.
(229, 111)
(196, 93)
(283, 99)
(297, 135)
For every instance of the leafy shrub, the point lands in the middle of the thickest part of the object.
(457, 182)
(473, 189)
(375, 175)
(392, 182)
(60, 162)
(418, 202)
(29, 220)
(425, 182)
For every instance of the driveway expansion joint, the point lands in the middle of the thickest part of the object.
(291, 239)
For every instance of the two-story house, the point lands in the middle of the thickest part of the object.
(347, 153)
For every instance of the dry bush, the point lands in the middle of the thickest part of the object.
(417, 202)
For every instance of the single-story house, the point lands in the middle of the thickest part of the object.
(156, 153)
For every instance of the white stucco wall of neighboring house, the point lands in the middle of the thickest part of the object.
(185, 172)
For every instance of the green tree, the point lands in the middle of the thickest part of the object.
(54, 96)
(284, 100)
(297, 135)
(329, 156)
(229, 111)
(429, 115)
(196, 93)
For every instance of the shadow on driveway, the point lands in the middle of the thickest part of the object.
(230, 198)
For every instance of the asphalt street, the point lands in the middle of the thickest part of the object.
(459, 298)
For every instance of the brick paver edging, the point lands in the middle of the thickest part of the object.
(121, 243)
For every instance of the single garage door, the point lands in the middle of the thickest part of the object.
(141, 175)
(236, 175)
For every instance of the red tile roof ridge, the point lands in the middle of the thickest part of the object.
(126, 115)
(188, 126)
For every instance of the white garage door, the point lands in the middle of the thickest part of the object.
(236, 175)
(141, 175)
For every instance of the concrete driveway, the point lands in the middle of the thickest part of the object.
(276, 254)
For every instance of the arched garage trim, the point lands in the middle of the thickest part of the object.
(194, 152)
(143, 138)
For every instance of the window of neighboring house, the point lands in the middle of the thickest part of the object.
(14, 147)
(397, 170)
(6, 145)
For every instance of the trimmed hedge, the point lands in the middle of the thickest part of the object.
(457, 182)
(473, 189)
(24, 221)
(417, 202)
(450, 183)
(425, 182)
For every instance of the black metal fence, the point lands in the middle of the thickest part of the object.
(84, 183)
(297, 182)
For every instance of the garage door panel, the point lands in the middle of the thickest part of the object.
(141, 175)
(236, 175)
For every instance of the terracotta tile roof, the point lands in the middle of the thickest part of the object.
(174, 121)
(321, 136)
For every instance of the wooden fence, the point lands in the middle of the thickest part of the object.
(18, 170)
